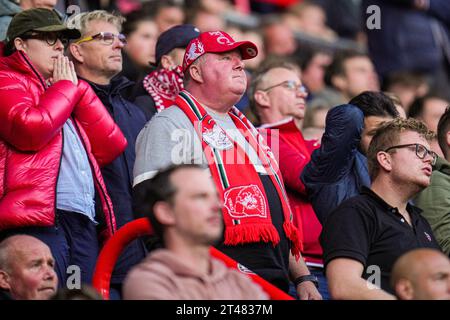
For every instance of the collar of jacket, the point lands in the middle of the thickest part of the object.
(118, 84)
(409, 207)
(19, 62)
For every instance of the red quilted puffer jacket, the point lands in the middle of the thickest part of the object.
(31, 140)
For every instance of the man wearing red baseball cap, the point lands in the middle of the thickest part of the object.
(205, 128)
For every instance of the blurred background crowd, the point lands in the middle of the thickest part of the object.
(342, 47)
(339, 48)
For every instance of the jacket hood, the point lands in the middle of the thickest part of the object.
(9, 8)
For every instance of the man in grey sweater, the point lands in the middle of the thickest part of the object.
(205, 128)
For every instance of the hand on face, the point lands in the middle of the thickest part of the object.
(63, 69)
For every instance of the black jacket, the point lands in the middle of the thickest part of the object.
(118, 175)
(4, 295)
(143, 99)
(337, 170)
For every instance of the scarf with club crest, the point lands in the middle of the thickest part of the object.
(245, 211)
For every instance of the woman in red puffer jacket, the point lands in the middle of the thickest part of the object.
(39, 92)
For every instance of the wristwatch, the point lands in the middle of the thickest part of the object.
(309, 277)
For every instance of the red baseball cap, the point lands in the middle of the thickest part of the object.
(215, 42)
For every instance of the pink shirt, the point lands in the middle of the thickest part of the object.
(163, 276)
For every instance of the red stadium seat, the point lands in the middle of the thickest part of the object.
(140, 227)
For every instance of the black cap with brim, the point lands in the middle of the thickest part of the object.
(40, 19)
(176, 37)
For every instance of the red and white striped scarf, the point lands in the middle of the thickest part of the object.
(246, 212)
(163, 86)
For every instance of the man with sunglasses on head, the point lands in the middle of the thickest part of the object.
(55, 134)
(278, 100)
(364, 236)
(97, 57)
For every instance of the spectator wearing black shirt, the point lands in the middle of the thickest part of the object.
(364, 236)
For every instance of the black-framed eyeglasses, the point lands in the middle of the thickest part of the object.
(290, 85)
(421, 151)
(50, 37)
(106, 38)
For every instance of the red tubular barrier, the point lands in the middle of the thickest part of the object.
(270, 289)
(140, 227)
(112, 250)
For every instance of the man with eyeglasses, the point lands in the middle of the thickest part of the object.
(364, 236)
(277, 98)
(54, 136)
(277, 94)
(435, 200)
(97, 56)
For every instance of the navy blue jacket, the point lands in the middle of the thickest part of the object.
(337, 170)
(118, 175)
(406, 40)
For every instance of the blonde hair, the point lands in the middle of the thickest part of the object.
(81, 21)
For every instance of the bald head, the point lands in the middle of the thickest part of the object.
(27, 268)
(422, 274)
(11, 246)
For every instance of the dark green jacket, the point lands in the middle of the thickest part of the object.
(435, 203)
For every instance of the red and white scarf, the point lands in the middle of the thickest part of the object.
(163, 86)
(246, 211)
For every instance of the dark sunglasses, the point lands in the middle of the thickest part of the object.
(50, 37)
